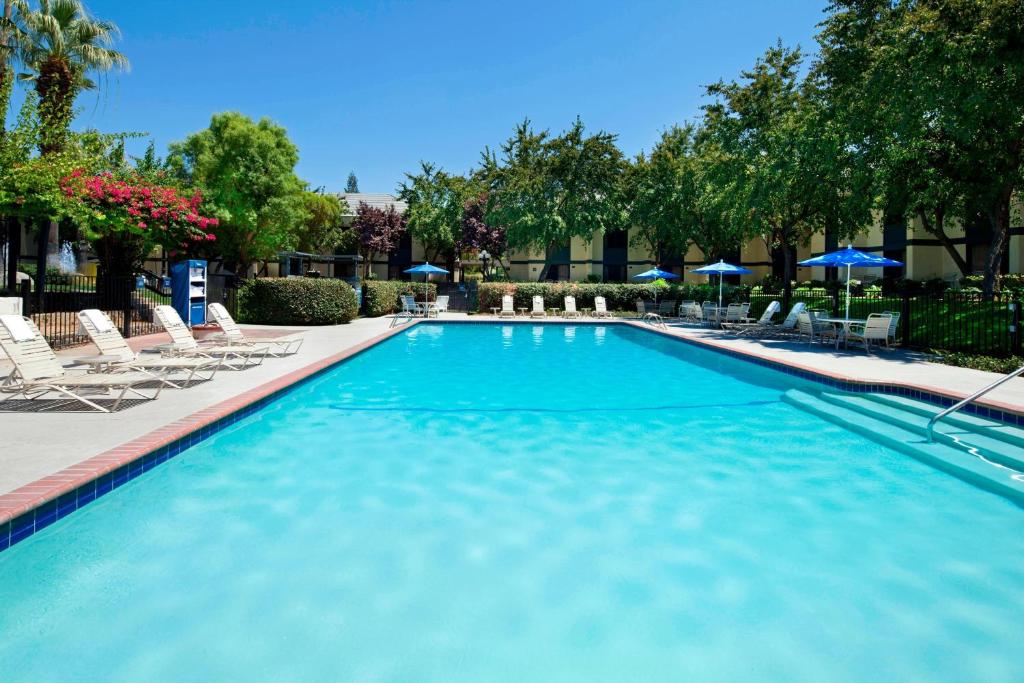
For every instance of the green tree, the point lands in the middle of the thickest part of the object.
(545, 190)
(246, 169)
(435, 201)
(352, 184)
(931, 92)
(790, 174)
(321, 231)
(11, 39)
(677, 197)
(63, 48)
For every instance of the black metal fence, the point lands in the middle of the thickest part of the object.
(55, 309)
(954, 321)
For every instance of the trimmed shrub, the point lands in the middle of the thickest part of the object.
(381, 297)
(1002, 366)
(297, 301)
(619, 296)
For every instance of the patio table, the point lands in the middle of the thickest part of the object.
(586, 312)
(97, 363)
(523, 310)
(845, 322)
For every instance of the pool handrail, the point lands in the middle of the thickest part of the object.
(976, 395)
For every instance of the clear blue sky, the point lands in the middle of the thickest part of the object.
(376, 86)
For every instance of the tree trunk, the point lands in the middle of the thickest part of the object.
(999, 219)
(938, 229)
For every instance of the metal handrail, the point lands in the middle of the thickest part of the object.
(977, 394)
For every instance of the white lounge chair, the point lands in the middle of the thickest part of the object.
(570, 308)
(184, 344)
(762, 323)
(601, 308)
(104, 334)
(508, 309)
(232, 334)
(441, 305)
(38, 373)
(538, 308)
(788, 325)
(874, 330)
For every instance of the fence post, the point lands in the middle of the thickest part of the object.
(126, 314)
(26, 298)
(905, 317)
(1015, 331)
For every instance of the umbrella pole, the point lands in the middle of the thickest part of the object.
(847, 291)
(720, 277)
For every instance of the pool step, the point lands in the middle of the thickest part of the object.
(982, 425)
(1006, 482)
(956, 435)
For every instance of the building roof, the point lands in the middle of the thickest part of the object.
(378, 200)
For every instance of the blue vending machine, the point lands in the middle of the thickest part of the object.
(188, 291)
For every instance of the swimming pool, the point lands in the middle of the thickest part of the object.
(526, 502)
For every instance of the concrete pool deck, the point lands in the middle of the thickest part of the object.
(40, 451)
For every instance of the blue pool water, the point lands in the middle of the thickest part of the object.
(526, 503)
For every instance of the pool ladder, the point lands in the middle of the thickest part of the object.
(976, 395)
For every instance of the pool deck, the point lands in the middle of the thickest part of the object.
(48, 453)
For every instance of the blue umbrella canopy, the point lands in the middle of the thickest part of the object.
(426, 269)
(655, 274)
(850, 257)
(721, 268)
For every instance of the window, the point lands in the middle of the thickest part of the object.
(614, 273)
(617, 239)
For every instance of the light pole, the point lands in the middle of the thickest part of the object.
(483, 257)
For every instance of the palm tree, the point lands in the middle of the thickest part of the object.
(11, 38)
(64, 45)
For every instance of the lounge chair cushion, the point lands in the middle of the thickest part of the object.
(17, 328)
(100, 321)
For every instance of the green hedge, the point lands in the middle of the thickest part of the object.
(1002, 366)
(619, 297)
(297, 301)
(381, 297)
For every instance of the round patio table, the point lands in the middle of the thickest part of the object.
(495, 309)
(553, 311)
(523, 310)
(586, 312)
(846, 323)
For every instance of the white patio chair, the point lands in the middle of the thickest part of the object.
(507, 307)
(38, 373)
(232, 334)
(874, 330)
(570, 308)
(538, 308)
(601, 308)
(104, 334)
(184, 344)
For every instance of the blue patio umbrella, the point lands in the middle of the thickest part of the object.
(427, 271)
(722, 268)
(653, 274)
(850, 257)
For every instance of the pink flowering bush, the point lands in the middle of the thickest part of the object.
(126, 216)
(132, 204)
